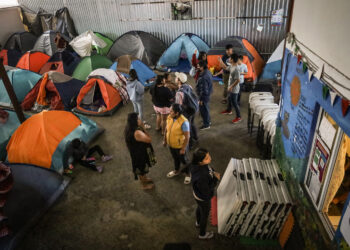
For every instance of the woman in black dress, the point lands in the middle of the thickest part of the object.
(138, 142)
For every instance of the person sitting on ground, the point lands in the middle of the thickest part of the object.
(177, 136)
(233, 88)
(201, 57)
(190, 107)
(204, 89)
(204, 180)
(136, 93)
(162, 98)
(226, 74)
(78, 151)
(138, 142)
(243, 70)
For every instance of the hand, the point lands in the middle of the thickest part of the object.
(217, 175)
(219, 59)
(182, 151)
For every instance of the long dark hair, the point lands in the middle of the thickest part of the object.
(159, 80)
(201, 55)
(133, 75)
(199, 155)
(130, 128)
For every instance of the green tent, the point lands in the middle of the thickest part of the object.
(108, 41)
(22, 81)
(89, 64)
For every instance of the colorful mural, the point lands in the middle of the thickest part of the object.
(300, 104)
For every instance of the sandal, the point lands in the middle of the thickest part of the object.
(187, 180)
(173, 173)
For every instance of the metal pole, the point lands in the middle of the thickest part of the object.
(11, 92)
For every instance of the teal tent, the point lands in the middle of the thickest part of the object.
(22, 81)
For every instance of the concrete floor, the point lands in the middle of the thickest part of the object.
(110, 211)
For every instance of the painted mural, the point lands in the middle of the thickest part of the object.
(300, 104)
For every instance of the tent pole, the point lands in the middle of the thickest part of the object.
(11, 92)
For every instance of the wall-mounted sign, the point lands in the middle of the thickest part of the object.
(277, 17)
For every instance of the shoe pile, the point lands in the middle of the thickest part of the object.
(6, 184)
(253, 199)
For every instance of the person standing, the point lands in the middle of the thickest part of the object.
(162, 98)
(233, 88)
(204, 180)
(177, 136)
(139, 145)
(204, 90)
(226, 74)
(243, 70)
(136, 93)
(201, 57)
(189, 103)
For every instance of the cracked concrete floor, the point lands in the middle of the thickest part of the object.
(110, 211)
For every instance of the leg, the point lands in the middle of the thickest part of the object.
(194, 133)
(94, 149)
(163, 123)
(239, 94)
(204, 208)
(136, 108)
(225, 78)
(229, 103)
(88, 165)
(175, 153)
(198, 214)
(204, 113)
(159, 122)
(140, 108)
(235, 104)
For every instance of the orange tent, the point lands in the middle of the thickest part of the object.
(241, 46)
(32, 61)
(98, 97)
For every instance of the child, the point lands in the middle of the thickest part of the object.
(243, 70)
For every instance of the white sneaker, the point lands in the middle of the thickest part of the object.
(207, 236)
(197, 224)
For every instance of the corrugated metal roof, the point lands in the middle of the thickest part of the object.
(214, 19)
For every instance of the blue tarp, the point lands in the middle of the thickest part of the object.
(179, 54)
(144, 73)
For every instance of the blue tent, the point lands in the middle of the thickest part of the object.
(179, 54)
(273, 65)
(144, 73)
(22, 82)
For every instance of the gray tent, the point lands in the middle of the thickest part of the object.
(35, 189)
(46, 42)
(21, 41)
(142, 45)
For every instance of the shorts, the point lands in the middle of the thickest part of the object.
(162, 111)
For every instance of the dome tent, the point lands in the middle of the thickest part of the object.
(274, 64)
(32, 61)
(46, 42)
(90, 63)
(21, 41)
(43, 138)
(243, 47)
(142, 45)
(10, 57)
(178, 56)
(107, 40)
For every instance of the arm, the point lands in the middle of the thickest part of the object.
(142, 136)
(194, 59)
(222, 64)
(187, 139)
(219, 73)
(233, 85)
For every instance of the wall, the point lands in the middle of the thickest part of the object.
(116, 17)
(10, 22)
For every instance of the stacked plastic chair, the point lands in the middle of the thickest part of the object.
(6, 184)
(253, 200)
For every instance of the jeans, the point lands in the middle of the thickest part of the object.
(225, 78)
(178, 158)
(138, 108)
(232, 102)
(205, 113)
(89, 163)
(239, 94)
(202, 214)
(193, 129)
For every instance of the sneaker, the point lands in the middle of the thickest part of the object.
(107, 158)
(197, 224)
(225, 112)
(207, 236)
(91, 159)
(204, 127)
(237, 120)
(99, 169)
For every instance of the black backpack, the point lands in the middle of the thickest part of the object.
(190, 102)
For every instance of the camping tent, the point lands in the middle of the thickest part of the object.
(32, 61)
(55, 90)
(98, 97)
(62, 61)
(125, 63)
(90, 63)
(274, 64)
(241, 46)
(139, 44)
(46, 42)
(108, 41)
(178, 55)
(43, 138)
(34, 190)
(22, 82)
(10, 57)
(85, 42)
(21, 41)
